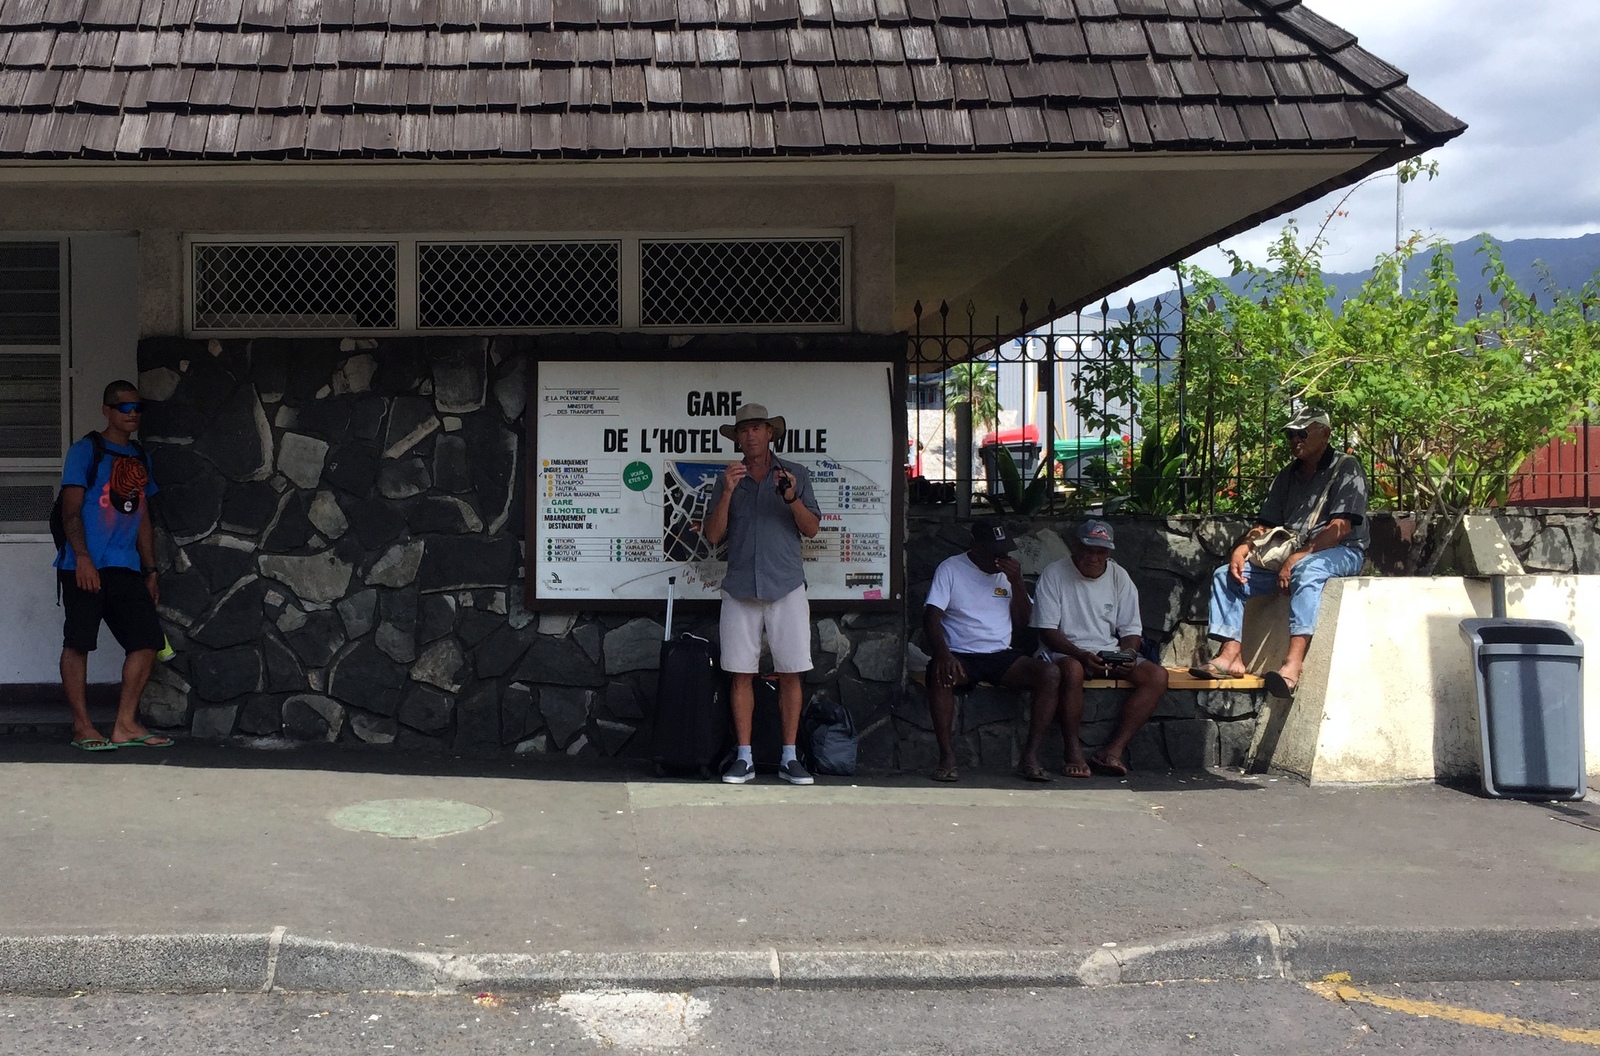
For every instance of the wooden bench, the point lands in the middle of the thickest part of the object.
(1177, 678)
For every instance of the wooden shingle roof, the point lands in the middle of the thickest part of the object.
(460, 79)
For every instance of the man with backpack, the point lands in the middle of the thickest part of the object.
(105, 566)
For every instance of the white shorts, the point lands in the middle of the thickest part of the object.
(787, 622)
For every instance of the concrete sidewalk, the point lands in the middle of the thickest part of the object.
(218, 841)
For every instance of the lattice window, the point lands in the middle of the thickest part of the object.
(30, 293)
(295, 286)
(30, 405)
(518, 285)
(743, 282)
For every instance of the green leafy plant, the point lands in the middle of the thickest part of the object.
(977, 384)
(1014, 496)
(1441, 406)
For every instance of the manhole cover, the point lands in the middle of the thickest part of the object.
(413, 819)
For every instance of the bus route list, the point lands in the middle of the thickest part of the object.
(575, 488)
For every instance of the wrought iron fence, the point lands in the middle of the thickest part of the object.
(1100, 412)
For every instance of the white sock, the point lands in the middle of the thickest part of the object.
(747, 755)
(788, 754)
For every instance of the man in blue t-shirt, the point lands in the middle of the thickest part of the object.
(107, 570)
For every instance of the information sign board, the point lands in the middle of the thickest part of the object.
(625, 456)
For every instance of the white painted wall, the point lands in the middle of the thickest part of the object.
(1388, 693)
(103, 338)
(30, 622)
(103, 342)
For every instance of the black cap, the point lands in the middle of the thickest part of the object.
(993, 537)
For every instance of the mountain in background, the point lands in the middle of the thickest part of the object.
(1571, 262)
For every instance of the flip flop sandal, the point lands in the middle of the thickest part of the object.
(94, 744)
(1279, 686)
(1077, 771)
(946, 774)
(1034, 773)
(149, 740)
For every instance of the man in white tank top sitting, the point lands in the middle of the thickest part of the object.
(1087, 612)
(976, 599)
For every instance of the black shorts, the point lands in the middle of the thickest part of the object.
(123, 603)
(983, 667)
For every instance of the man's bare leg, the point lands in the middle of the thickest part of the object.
(1149, 683)
(942, 708)
(789, 705)
(742, 702)
(1230, 657)
(135, 674)
(1069, 715)
(75, 687)
(1295, 659)
(1044, 681)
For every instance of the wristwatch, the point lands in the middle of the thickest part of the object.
(147, 571)
(794, 500)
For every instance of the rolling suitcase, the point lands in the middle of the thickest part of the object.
(691, 723)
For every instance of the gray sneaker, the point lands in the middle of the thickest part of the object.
(739, 772)
(795, 774)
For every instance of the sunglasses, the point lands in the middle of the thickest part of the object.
(1297, 434)
(127, 407)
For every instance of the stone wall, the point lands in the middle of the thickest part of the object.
(340, 539)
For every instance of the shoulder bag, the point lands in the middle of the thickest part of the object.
(1270, 550)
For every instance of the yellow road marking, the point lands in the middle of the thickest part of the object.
(1336, 988)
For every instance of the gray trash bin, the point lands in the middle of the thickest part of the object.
(1530, 707)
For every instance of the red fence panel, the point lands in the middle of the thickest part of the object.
(1565, 472)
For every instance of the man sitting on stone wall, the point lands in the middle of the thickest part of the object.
(1322, 496)
(976, 599)
(1087, 606)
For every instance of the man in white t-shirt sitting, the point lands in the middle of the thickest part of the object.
(1087, 606)
(976, 599)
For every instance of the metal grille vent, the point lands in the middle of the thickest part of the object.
(512, 285)
(30, 405)
(30, 293)
(745, 282)
(26, 503)
(295, 286)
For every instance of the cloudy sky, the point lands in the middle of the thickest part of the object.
(1523, 75)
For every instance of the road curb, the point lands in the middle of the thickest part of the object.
(1257, 950)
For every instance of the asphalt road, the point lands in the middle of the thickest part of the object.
(1187, 1018)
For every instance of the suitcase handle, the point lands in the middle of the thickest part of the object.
(672, 582)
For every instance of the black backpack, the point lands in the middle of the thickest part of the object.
(58, 524)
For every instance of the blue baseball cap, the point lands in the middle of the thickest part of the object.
(1096, 533)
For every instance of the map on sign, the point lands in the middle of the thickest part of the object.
(627, 454)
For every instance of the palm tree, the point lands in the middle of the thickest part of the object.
(975, 383)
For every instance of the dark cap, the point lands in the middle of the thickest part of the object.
(993, 537)
(1096, 533)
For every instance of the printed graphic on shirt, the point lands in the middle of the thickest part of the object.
(1001, 592)
(126, 485)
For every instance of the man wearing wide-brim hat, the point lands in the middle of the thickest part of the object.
(763, 506)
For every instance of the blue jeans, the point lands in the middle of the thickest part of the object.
(1305, 590)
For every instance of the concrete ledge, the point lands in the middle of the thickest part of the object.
(1245, 952)
(1254, 950)
(61, 964)
(893, 969)
(1400, 955)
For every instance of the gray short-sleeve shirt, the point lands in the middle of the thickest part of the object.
(763, 542)
(1293, 498)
